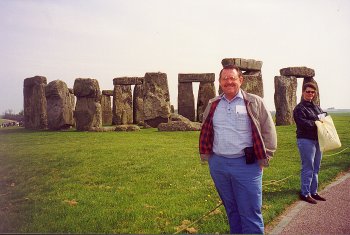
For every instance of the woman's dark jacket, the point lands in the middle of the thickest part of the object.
(305, 115)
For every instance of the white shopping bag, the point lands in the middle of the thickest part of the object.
(328, 138)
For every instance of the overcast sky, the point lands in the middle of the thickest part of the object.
(104, 39)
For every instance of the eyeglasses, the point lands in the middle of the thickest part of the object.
(226, 78)
(310, 92)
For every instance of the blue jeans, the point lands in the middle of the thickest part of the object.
(310, 156)
(240, 188)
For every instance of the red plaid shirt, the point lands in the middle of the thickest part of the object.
(206, 137)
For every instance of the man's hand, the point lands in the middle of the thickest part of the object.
(204, 157)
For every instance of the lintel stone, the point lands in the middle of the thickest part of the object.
(299, 72)
(128, 81)
(243, 64)
(196, 77)
(107, 92)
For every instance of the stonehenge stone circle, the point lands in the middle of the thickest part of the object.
(59, 106)
(35, 112)
(88, 112)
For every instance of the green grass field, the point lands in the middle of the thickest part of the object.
(139, 182)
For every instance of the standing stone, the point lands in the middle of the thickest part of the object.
(35, 114)
(59, 106)
(122, 100)
(88, 112)
(285, 99)
(206, 92)
(253, 84)
(138, 114)
(124, 117)
(156, 101)
(316, 99)
(106, 106)
(185, 101)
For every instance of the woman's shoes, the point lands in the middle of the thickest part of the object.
(308, 199)
(318, 197)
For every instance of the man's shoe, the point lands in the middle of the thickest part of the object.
(308, 199)
(318, 197)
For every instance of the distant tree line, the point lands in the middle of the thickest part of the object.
(9, 114)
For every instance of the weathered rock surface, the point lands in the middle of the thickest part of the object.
(59, 106)
(107, 92)
(127, 128)
(88, 111)
(106, 106)
(103, 129)
(243, 64)
(87, 87)
(35, 114)
(138, 114)
(253, 84)
(122, 101)
(186, 101)
(128, 81)
(206, 92)
(179, 123)
(156, 101)
(87, 114)
(196, 77)
(285, 99)
(299, 72)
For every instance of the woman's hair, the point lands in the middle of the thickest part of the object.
(309, 84)
(231, 66)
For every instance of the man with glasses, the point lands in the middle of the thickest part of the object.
(237, 138)
(305, 114)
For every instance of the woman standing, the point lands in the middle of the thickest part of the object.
(305, 114)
